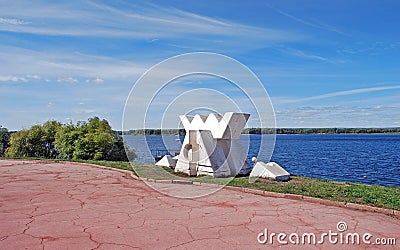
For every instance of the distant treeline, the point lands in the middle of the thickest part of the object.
(153, 132)
(271, 131)
(321, 130)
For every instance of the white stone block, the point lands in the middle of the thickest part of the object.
(167, 161)
(269, 170)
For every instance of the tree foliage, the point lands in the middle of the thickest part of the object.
(38, 141)
(92, 140)
(4, 140)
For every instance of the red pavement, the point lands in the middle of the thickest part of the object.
(47, 205)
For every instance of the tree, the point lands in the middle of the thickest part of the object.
(92, 140)
(19, 146)
(38, 141)
(120, 151)
(65, 140)
(95, 140)
(49, 131)
(4, 140)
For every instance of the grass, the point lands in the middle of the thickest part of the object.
(373, 195)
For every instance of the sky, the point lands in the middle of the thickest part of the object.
(323, 63)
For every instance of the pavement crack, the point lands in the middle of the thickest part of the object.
(27, 225)
(91, 238)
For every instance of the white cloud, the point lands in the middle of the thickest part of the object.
(60, 64)
(12, 21)
(96, 80)
(12, 79)
(68, 80)
(306, 55)
(89, 111)
(341, 93)
(313, 23)
(36, 77)
(16, 78)
(138, 21)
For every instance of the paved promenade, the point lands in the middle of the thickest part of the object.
(46, 205)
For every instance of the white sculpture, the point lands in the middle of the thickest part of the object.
(212, 145)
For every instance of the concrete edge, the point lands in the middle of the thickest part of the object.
(349, 205)
(185, 182)
(162, 181)
(129, 173)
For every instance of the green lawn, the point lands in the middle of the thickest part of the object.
(374, 195)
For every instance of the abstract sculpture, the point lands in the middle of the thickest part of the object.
(212, 145)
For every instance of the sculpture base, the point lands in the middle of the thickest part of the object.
(222, 172)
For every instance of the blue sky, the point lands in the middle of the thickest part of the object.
(323, 63)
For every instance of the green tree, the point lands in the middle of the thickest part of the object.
(35, 142)
(65, 140)
(4, 140)
(95, 140)
(120, 151)
(49, 131)
(92, 140)
(19, 146)
(38, 141)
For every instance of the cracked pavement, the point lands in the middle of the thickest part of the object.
(48, 205)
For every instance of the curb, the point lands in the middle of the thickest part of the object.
(184, 182)
(129, 174)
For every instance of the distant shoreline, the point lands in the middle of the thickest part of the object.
(395, 130)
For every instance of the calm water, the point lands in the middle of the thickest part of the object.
(333, 157)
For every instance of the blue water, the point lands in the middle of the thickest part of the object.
(344, 157)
